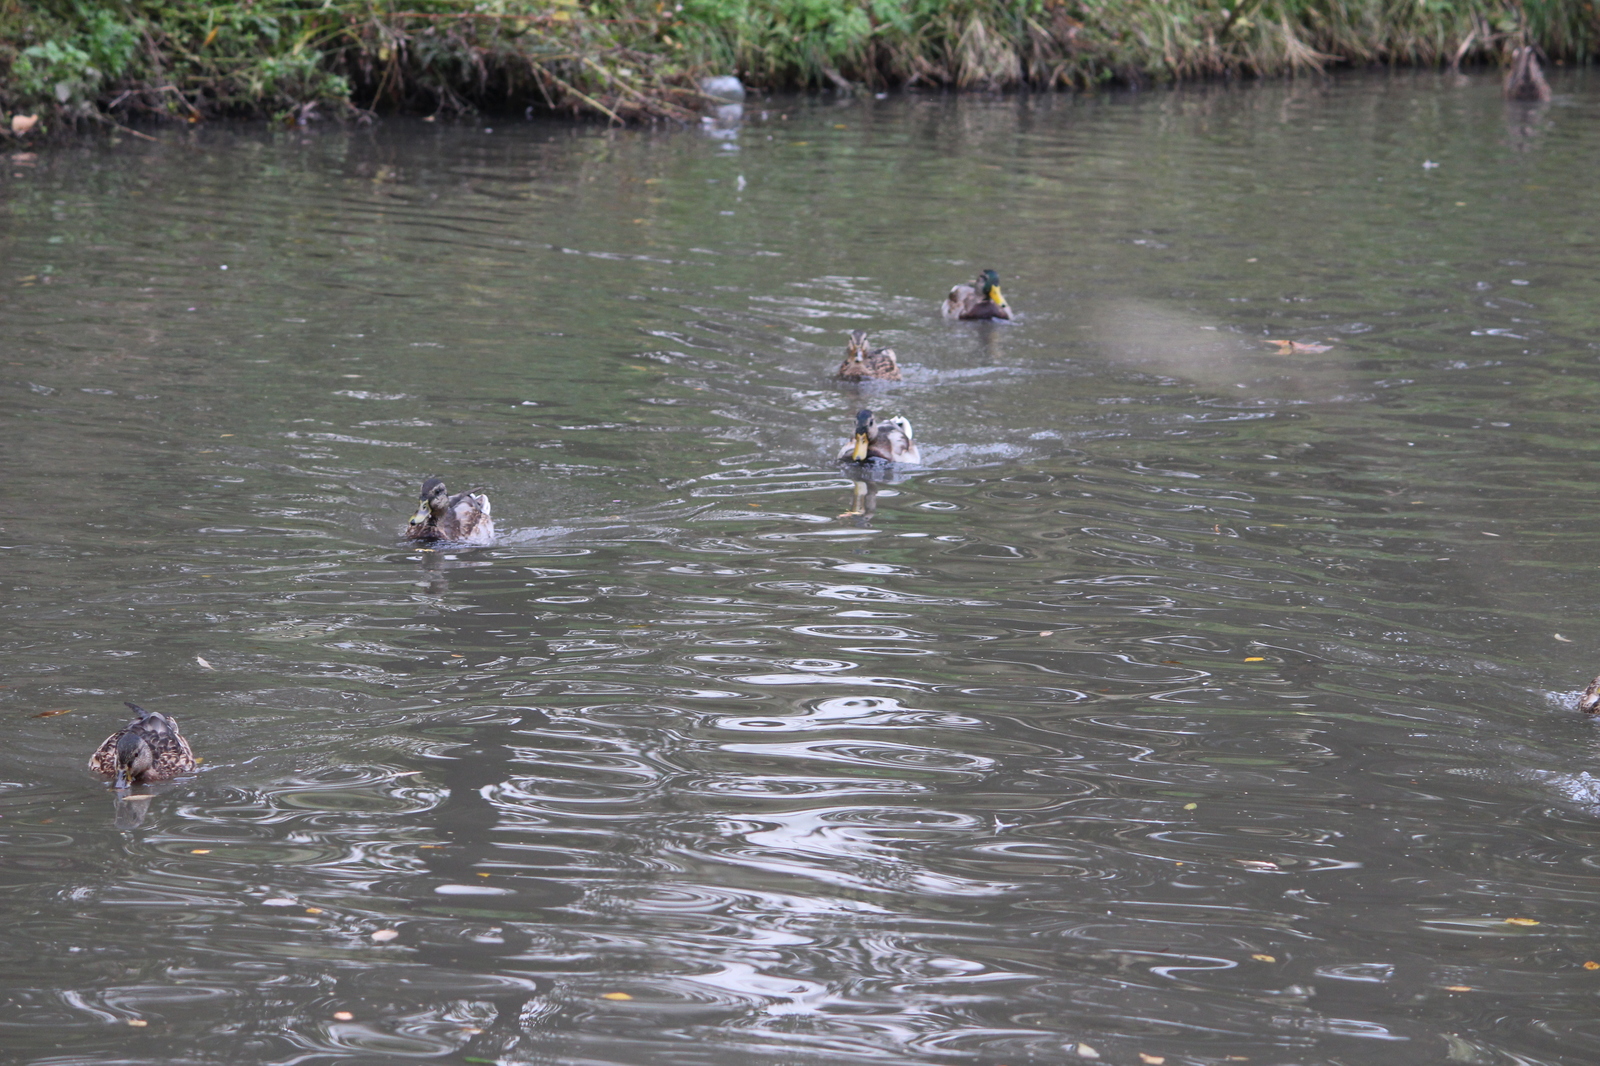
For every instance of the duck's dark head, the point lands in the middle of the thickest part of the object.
(135, 757)
(435, 500)
(866, 426)
(989, 285)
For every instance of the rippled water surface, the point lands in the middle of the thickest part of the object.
(1198, 701)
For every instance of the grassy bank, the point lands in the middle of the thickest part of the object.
(71, 62)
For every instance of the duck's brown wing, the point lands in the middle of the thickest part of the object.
(468, 518)
(171, 750)
(1589, 702)
(883, 365)
(894, 446)
(173, 757)
(104, 759)
(960, 301)
(850, 370)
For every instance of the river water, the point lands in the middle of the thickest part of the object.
(1197, 701)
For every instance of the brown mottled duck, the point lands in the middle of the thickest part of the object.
(1589, 702)
(462, 518)
(864, 363)
(149, 748)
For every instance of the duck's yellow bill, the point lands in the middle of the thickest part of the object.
(995, 297)
(422, 514)
(860, 454)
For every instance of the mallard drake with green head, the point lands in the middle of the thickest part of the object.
(890, 441)
(462, 518)
(147, 749)
(864, 363)
(981, 299)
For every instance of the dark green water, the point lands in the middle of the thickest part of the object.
(1197, 701)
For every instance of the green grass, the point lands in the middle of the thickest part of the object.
(114, 60)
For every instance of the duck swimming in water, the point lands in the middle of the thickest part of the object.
(981, 299)
(462, 518)
(1589, 702)
(890, 441)
(147, 749)
(862, 363)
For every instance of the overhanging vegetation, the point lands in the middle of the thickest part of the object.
(71, 61)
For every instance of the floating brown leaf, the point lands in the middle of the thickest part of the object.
(1286, 347)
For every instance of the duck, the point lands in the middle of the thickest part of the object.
(890, 441)
(863, 363)
(1589, 702)
(463, 517)
(981, 299)
(149, 748)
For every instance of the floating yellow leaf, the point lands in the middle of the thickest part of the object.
(1087, 1052)
(382, 936)
(1264, 958)
(1521, 921)
(1256, 659)
(1591, 965)
(620, 996)
(199, 851)
(1153, 1060)
(313, 910)
(342, 1016)
(1458, 988)
(138, 1023)
(1191, 806)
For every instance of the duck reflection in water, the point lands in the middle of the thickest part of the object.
(863, 501)
(866, 479)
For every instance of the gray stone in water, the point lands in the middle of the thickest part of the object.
(723, 86)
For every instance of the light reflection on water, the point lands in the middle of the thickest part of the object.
(1196, 700)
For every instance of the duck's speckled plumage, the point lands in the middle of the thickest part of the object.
(462, 518)
(1589, 702)
(981, 299)
(864, 363)
(147, 749)
(890, 441)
